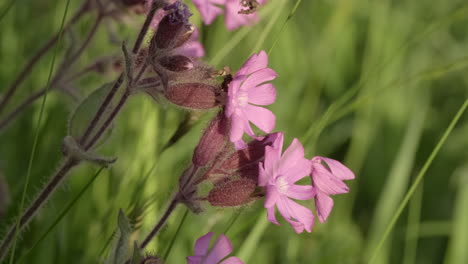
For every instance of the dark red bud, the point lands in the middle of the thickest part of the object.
(211, 142)
(252, 154)
(133, 2)
(170, 33)
(176, 63)
(193, 95)
(233, 193)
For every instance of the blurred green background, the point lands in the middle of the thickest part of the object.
(371, 83)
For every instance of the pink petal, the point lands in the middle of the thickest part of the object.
(301, 192)
(195, 260)
(271, 215)
(202, 244)
(208, 10)
(338, 169)
(254, 63)
(232, 260)
(326, 182)
(259, 77)
(262, 95)
(237, 128)
(261, 117)
(263, 177)
(293, 164)
(240, 144)
(300, 215)
(323, 205)
(299, 170)
(272, 195)
(220, 250)
(271, 161)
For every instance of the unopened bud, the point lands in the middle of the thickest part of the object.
(211, 142)
(174, 29)
(177, 63)
(232, 193)
(193, 95)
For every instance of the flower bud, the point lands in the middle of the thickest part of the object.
(193, 95)
(174, 29)
(177, 63)
(232, 193)
(211, 142)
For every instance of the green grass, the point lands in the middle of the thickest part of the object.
(375, 84)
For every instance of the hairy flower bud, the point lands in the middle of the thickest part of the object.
(232, 193)
(193, 95)
(211, 142)
(177, 63)
(174, 29)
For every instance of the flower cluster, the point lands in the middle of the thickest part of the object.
(241, 172)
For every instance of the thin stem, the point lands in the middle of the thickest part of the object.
(35, 59)
(57, 78)
(161, 222)
(43, 196)
(109, 120)
(118, 82)
(63, 213)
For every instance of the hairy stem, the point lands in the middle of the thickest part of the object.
(170, 209)
(58, 178)
(35, 59)
(136, 47)
(40, 200)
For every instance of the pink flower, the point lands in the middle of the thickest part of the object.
(221, 248)
(328, 181)
(246, 90)
(209, 9)
(278, 173)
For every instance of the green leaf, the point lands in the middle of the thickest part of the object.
(84, 113)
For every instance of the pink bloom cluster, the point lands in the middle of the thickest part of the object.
(220, 250)
(279, 172)
(210, 9)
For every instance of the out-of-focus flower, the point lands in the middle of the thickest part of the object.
(209, 9)
(278, 174)
(248, 89)
(328, 180)
(235, 17)
(221, 249)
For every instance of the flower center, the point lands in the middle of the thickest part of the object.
(242, 99)
(282, 185)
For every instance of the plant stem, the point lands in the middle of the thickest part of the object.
(136, 47)
(58, 178)
(40, 200)
(173, 204)
(57, 78)
(109, 120)
(35, 59)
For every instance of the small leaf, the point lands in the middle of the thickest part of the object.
(120, 250)
(84, 113)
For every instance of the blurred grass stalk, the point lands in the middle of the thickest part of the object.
(457, 252)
